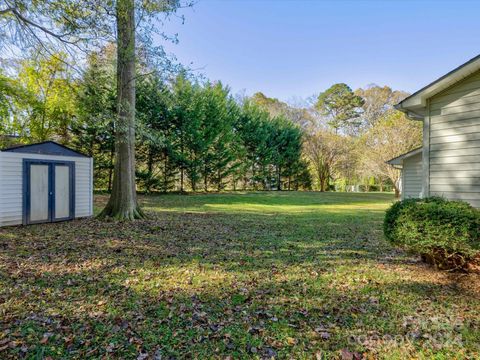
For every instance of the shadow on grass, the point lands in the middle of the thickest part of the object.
(215, 284)
(102, 315)
(237, 243)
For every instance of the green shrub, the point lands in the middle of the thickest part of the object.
(441, 231)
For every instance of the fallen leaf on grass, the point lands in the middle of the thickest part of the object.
(348, 355)
(291, 341)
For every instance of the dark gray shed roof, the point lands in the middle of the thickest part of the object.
(45, 148)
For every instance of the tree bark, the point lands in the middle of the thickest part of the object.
(150, 161)
(397, 193)
(110, 168)
(205, 181)
(181, 179)
(219, 178)
(122, 204)
(279, 178)
(165, 171)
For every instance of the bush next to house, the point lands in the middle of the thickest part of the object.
(445, 233)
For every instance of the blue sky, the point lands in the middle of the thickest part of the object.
(295, 48)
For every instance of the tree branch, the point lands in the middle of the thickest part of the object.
(27, 21)
(4, 11)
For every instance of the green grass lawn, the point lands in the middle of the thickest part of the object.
(283, 275)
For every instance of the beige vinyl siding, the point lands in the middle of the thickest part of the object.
(455, 142)
(11, 185)
(412, 177)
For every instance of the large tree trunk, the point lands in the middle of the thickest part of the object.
(123, 200)
(111, 159)
(110, 168)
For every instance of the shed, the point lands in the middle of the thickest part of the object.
(44, 182)
(411, 166)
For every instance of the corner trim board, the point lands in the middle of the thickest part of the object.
(426, 153)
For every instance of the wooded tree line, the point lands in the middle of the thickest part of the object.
(191, 135)
(349, 135)
(188, 132)
(194, 135)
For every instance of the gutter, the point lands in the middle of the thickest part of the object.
(398, 167)
(408, 113)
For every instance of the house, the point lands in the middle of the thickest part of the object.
(45, 182)
(448, 164)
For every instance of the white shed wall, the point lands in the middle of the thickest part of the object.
(412, 177)
(454, 159)
(11, 185)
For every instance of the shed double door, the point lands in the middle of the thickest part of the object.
(49, 191)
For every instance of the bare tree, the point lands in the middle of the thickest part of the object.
(324, 151)
(377, 100)
(392, 136)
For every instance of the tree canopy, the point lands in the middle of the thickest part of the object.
(341, 105)
(169, 129)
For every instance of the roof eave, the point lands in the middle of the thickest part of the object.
(399, 159)
(416, 103)
(417, 115)
(26, 146)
